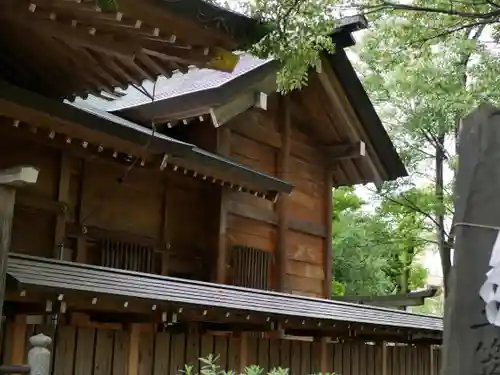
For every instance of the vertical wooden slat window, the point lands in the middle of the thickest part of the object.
(250, 267)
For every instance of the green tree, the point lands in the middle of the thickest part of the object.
(423, 86)
(374, 253)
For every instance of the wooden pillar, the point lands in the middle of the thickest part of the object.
(328, 235)
(243, 352)
(62, 197)
(223, 148)
(9, 179)
(324, 356)
(283, 171)
(164, 232)
(81, 244)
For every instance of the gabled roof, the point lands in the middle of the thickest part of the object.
(64, 277)
(201, 92)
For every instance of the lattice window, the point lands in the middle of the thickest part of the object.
(129, 256)
(250, 267)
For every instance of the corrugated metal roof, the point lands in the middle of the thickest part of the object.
(179, 84)
(65, 276)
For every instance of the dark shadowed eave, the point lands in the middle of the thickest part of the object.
(212, 164)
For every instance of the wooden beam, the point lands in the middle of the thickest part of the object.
(223, 148)
(283, 171)
(328, 207)
(75, 35)
(62, 197)
(346, 151)
(9, 179)
(350, 120)
(270, 217)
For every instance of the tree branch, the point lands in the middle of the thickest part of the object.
(388, 5)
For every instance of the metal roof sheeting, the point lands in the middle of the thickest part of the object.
(178, 85)
(65, 276)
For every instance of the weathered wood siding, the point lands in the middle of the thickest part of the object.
(256, 142)
(82, 351)
(137, 205)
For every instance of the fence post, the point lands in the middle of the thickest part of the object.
(39, 355)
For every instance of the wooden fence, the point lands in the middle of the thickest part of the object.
(90, 351)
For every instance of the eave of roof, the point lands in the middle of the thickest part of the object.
(14, 101)
(199, 88)
(221, 89)
(366, 112)
(245, 30)
(60, 276)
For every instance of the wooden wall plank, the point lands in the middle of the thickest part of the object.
(65, 350)
(162, 353)
(85, 354)
(103, 352)
(274, 353)
(221, 346)
(120, 352)
(346, 359)
(253, 350)
(295, 355)
(177, 352)
(233, 353)
(146, 347)
(285, 353)
(370, 360)
(380, 360)
(207, 345)
(305, 358)
(355, 358)
(337, 358)
(263, 356)
(316, 357)
(193, 350)
(243, 352)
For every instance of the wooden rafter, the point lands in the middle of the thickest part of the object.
(82, 49)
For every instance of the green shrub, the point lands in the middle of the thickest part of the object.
(209, 366)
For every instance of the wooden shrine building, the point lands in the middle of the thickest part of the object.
(160, 224)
